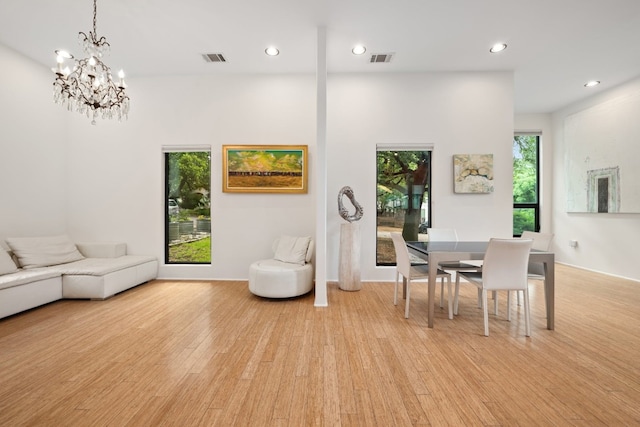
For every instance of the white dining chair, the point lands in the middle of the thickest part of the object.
(414, 272)
(451, 235)
(504, 269)
(541, 242)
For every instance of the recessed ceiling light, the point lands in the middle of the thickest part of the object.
(272, 51)
(592, 83)
(359, 50)
(498, 47)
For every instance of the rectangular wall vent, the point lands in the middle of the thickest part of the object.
(381, 57)
(214, 57)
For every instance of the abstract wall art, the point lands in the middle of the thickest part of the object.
(473, 173)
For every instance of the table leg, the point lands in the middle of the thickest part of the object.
(549, 289)
(434, 259)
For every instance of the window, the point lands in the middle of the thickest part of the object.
(526, 188)
(402, 197)
(187, 206)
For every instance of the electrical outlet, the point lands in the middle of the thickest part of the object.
(573, 243)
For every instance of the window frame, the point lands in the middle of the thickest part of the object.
(535, 206)
(166, 150)
(426, 147)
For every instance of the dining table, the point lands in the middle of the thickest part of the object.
(437, 252)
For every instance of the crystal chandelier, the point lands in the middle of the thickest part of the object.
(89, 87)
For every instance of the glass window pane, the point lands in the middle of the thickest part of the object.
(525, 169)
(524, 219)
(402, 199)
(188, 208)
(526, 190)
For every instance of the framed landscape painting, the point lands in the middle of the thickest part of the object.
(264, 168)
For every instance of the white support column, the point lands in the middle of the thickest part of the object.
(321, 170)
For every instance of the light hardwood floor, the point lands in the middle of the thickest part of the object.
(210, 353)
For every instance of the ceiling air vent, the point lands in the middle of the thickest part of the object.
(381, 57)
(214, 57)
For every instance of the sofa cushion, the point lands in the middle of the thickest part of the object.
(101, 266)
(102, 250)
(292, 249)
(35, 252)
(22, 277)
(6, 263)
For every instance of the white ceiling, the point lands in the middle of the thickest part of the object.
(555, 46)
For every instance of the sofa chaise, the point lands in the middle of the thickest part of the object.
(40, 270)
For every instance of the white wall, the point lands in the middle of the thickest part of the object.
(606, 242)
(117, 173)
(33, 157)
(60, 174)
(105, 182)
(118, 166)
(457, 112)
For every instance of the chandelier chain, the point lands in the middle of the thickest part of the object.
(95, 13)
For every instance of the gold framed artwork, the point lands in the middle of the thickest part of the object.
(473, 173)
(264, 168)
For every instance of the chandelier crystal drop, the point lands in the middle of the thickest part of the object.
(89, 88)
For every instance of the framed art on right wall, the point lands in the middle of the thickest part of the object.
(601, 155)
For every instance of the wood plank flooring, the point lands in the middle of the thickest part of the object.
(182, 353)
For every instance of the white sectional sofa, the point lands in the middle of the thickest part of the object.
(40, 270)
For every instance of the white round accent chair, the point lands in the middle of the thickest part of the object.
(288, 274)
